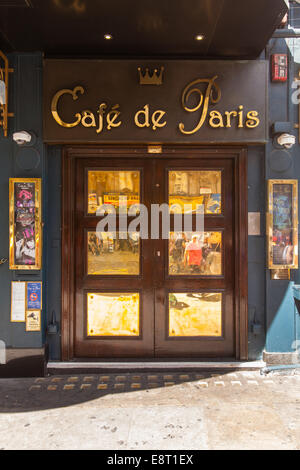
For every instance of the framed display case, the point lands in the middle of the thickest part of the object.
(25, 223)
(282, 224)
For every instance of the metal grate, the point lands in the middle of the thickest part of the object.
(16, 3)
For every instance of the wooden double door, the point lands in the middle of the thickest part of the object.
(154, 242)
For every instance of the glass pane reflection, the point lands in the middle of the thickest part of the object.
(115, 188)
(113, 314)
(195, 189)
(193, 253)
(195, 314)
(110, 254)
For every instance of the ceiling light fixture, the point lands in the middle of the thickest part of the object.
(199, 37)
(108, 37)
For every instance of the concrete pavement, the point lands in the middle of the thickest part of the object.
(164, 411)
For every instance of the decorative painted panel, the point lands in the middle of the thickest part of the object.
(113, 314)
(195, 314)
(282, 224)
(25, 224)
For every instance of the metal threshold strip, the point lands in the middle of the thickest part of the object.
(162, 365)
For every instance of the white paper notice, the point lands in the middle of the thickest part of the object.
(18, 297)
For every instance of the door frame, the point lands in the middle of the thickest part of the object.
(239, 156)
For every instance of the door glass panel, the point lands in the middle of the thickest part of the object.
(195, 253)
(115, 188)
(195, 189)
(195, 314)
(113, 253)
(113, 314)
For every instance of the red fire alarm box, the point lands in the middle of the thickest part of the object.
(279, 67)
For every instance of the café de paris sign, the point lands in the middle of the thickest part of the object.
(203, 98)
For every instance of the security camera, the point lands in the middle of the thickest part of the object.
(22, 137)
(286, 140)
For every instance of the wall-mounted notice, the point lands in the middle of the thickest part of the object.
(18, 301)
(253, 223)
(33, 320)
(34, 295)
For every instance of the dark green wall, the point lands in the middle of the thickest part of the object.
(270, 302)
(25, 102)
(281, 319)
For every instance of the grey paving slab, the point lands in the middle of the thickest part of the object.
(161, 411)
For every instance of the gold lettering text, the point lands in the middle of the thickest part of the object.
(112, 116)
(156, 120)
(228, 116)
(253, 120)
(241, 116)
(88, 119)
(216, 119)
(203, 100)
(101, 111)
(145, 114)
(54, 104)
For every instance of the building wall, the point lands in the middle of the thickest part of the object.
(25, 102)
(256, 253)
(281, 318)
(270, 302)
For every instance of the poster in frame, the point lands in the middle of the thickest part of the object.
(25, 224)
(33, 320)
(282, 224)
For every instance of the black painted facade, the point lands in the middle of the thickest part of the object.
(274, 325)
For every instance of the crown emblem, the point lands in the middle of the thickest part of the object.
(147, 79)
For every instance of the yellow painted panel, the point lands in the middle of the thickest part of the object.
(113, 314)
(195, 314)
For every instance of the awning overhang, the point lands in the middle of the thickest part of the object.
(236, 29)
